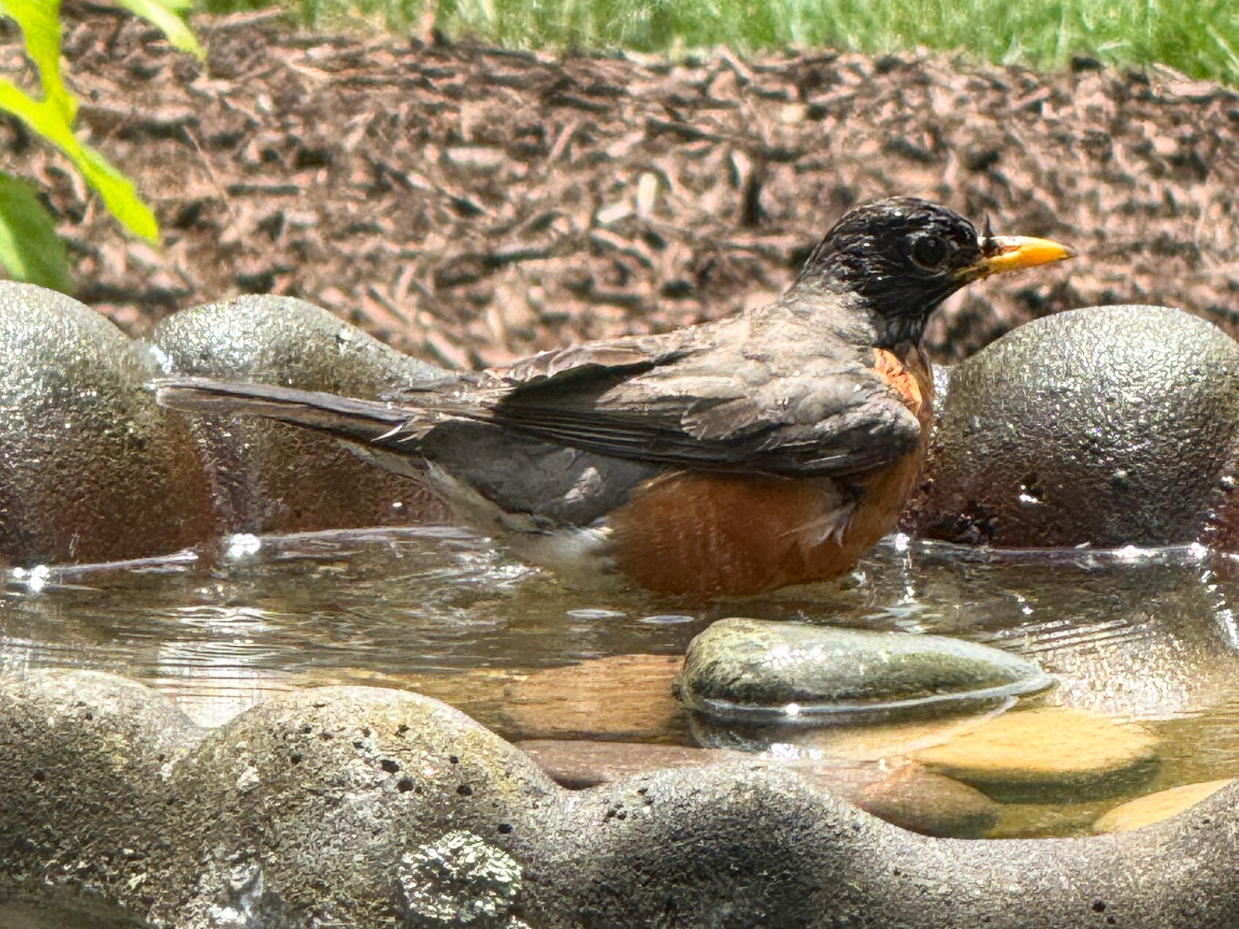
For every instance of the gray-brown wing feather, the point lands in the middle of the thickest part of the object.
(697, 399)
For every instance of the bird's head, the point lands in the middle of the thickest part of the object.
(900, 258)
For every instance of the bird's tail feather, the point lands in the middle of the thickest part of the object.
(369, 421)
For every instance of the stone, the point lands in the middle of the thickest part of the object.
(273, 477)
(311, 802)
(576, 763)
(627, 698)
(1106, 426)
(1048, 755)
(909, 796)
(919, 800)
(84, 765)
(781, 854)
(460, 880)
(369, 808)
(756, 671)
(1153, 808)
(93, 470)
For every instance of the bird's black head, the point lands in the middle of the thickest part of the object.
(900, 258)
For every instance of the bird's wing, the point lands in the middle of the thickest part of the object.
(699, 398)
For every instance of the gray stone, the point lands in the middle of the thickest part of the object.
(751, 844)
(344, 806)
(273, 477)
(92, 469)
(757, 671)
(1106, 426)
(580, 763)
(304, 807)
(84, 765)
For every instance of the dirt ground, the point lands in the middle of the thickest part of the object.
(475, 204)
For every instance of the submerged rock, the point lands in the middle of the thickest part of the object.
(1153, 808)
(273, 477)
(92, 469)
(1048, 755)
(929, 803)
(1107, 426)
(755, 671)
(624, 697)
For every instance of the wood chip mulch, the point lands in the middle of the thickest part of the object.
(475, 204)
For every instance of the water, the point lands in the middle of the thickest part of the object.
(1147, 636)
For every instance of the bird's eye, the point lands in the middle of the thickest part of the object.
(929, 251)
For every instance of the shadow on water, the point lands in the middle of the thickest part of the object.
(1144, 635)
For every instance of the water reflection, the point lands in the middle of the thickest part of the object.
(1135, 635)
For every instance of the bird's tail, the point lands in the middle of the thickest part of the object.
(365, 421)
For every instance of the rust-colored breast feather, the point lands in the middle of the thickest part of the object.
(698, 533)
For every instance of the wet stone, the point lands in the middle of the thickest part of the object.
(1048, 755)
(93, 470)
(755, 671)
(273, 477)
(1108, 426)
(1155, 807)
(921, 801)
(625, 698)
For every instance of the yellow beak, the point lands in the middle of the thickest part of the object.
(1004, 253)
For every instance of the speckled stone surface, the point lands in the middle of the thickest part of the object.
(1109, 426)
(272, 477)
(758, 671)
(367, 807)
(92, 469)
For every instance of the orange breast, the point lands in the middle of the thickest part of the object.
(701, 533)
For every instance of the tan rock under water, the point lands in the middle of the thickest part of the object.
(929, 803)
(624, 697)
(1153, 808)
(1047, 755)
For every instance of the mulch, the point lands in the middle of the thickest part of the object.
(475, 204)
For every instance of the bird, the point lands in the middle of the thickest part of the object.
(728, 458)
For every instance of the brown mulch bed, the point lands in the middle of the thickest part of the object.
(478, 204)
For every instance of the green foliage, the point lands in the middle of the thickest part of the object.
(29, 249)
(1199, 37)
(29, 246)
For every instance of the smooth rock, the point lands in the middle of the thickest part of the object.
(273, 477)
(93, 470)
(1155, 807)
(1107, 426)
(627, 698)
(1048, 755)
(919, 800)
(754, 671)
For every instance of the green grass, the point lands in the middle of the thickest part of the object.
(1199, 37)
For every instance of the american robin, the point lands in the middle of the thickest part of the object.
(736, 456)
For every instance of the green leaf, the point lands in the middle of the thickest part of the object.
(40, 24)
(165, 15)
(29, 246)
(116, 190)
